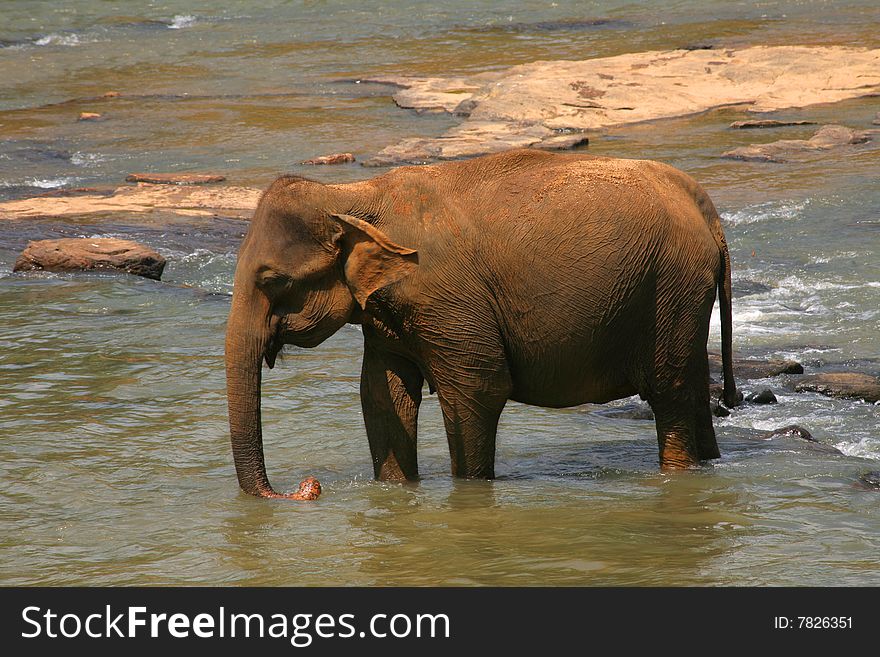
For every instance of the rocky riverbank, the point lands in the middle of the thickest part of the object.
(547, 104)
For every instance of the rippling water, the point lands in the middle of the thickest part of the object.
(114, 464)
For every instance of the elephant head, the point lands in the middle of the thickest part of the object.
(305, 268)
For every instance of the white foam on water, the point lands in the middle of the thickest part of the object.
(821, 260)
(58, 40)
(81, 159)
(40, 183)
(751, 214)
(865, 448)
(182, 21)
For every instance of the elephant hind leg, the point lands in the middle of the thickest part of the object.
(707, 446)
(684, 419)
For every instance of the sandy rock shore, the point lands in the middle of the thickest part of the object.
(533, 104)
(187, 200)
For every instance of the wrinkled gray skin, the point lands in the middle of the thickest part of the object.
(552, 280)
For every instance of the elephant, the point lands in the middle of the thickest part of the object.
(546, 278)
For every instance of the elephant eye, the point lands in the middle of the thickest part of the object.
(272, 280)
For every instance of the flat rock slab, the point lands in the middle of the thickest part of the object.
(526, 105)
(186, 200)
(766, 123)
(756, 369)
(175, 178)
(83, 254)
(844, 385)
(784, 150)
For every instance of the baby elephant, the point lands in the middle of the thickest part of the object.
(553, 280)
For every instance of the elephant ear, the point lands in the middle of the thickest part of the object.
(373, 261)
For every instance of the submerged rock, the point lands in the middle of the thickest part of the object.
(766, 123)
(89, 116)
(792, 431)
(719, 410)
(870, 479)
(844, 385)
(523, 105)
(336, 158)
(827, 138)
(876, 120)
(795, 432)
(765, 396)
(744, 288)
(82, 254)
(175, 178)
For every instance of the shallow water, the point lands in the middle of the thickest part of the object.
(115, 466)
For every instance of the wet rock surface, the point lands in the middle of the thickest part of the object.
(336, 158)
(870, 480)
(798, 433)
(766, 123)
(719, 410)
(755, 369)
(744, 288)
(175, 178)
(764, 396)
(83, 254)
(527, 105)
(826, 138)
(792, 431)
(844, 385)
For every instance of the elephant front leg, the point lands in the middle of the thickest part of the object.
(391, 391)
(471, 408)
(676, 431)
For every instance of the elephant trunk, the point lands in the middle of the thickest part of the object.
(247, 335)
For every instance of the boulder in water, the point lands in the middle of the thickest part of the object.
(175, 178)
(336, 158)
(844, 385)
(827, 138)
(764, 396)
(83, 254)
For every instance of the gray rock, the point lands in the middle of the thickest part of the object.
(791, 431)
(744, 288)
(718, 410)
(795, 432)
(83, 254)
(827, 138)
(764, 396)
(843, 385)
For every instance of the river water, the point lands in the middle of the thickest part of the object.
(114, 460)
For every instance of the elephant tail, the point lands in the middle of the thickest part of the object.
(731, 398)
